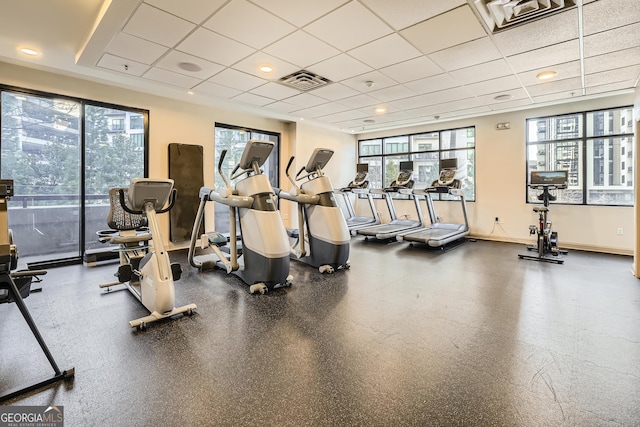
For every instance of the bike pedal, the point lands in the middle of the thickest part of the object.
(125, 272)
(176, 271)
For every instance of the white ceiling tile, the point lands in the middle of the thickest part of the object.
(432, 84)
(466, 54)
(411, 103)
(495, 85)
(610, 41)
(171, 78)
(283, 107)
(192, 10)
(345, 115)
(237, 80)
(116, 63)
(250, 98)
(134, 48)
(161, 27)
(401, 14)
(359, 101)
(248, 24)
(554, 86)
(214, 47)
(607, 14)
(611, 87)
(252, 63)
(572, 95)
(322, 110)
(609, 61)
(215, 89)
(564, 71)
(299, 12)
(613, 76)
(340, 67)
(516, 95)
(469, 112)
(335, 91)
(392, 93)
(174, 58)
(378, 80)
(301, 49)
(533, 35)
(507, 105)
(275, 91)
(385, 51)
(337, 28)
(481, 72)
(440, 33)
(449, 95)
(546, 57)
(306, 100)
(412, 69)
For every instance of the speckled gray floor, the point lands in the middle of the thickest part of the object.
(407, 337)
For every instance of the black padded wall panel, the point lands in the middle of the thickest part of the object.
(186, 170)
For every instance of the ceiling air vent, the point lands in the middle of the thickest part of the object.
(502, 14)
(304, 80)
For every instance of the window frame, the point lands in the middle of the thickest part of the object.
(584, 141)
(412, 152)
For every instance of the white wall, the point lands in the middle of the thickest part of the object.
(500, 156)
(501, 184)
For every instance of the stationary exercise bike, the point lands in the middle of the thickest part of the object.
(145, 269)
(263, 261)
(14, 287)
(547, 240)
(321, 224)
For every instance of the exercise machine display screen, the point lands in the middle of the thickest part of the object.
(550, 178)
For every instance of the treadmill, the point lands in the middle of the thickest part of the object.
(439, 233)
(358, 186)
(403, 184)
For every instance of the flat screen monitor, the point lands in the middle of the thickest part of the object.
(449, 163)
(555, 178)
(362, 167)
(406, 166)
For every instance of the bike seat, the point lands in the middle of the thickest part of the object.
(540, 209)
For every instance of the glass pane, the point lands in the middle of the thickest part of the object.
(566, 155)
(465, 173)
(375, 171)
(425, 142)
(40, 152)
(426, 169)
(554, 128)
(392, 168)
(370, 147)
(114, 155)
(610, 122)
(457, 138)
(610, 171)
(398, 144)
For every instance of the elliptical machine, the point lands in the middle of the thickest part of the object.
(321, 224)
(147, 272)
(263, 261)
(547, 240)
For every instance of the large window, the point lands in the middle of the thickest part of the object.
(63, 155)
(234, 139)
(425, 150)
(595, 148)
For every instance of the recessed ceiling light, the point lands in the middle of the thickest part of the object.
(189, 66)
(266, 68)
(190, 92)
(380, 110)
(503, 97)
(546, 75)
(29, 51)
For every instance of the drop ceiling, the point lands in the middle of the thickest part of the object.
(421, 60)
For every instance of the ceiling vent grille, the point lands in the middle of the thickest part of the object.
(304, 80)
(502, 14)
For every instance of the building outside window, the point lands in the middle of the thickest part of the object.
(383, 155)
(593, 147)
